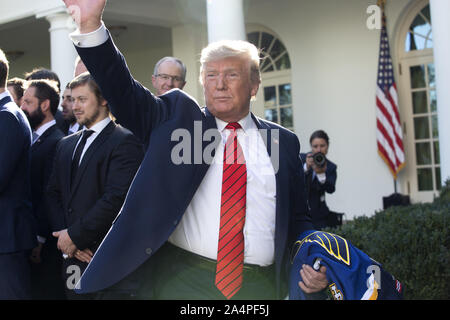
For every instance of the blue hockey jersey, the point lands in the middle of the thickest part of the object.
(352, 274)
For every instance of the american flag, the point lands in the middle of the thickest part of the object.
(389, 129)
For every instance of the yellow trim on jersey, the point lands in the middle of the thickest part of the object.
(326, 244)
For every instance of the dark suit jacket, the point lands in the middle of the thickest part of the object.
(162, 189)
(17, 223)
(42, 153)
(101, 184)
(316, 193)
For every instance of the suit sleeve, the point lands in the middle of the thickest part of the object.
(134, 106)
(52, 198)
(11, 147)
(302, 219)
(123, 164)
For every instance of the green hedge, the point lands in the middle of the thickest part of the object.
(412, 243)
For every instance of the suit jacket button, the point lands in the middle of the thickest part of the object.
(148, 251)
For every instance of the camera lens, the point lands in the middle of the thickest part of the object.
(319, 159)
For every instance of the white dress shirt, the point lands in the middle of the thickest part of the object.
(73, 128)
(198, 230)
(97, 128)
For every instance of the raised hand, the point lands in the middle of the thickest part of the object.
(87, 14)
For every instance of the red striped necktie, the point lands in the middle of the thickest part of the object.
(230, 252)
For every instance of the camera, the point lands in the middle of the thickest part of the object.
(319, 159)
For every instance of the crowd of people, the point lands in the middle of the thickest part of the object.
(91, 173)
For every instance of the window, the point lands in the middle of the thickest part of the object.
(419, 36)
(419, 104)
(276, 84)
(426, 135)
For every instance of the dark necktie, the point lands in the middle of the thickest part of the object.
(230, 252)
(78, 152)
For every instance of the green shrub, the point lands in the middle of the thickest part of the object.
(412, 243)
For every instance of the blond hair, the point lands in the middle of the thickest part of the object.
(232, 48)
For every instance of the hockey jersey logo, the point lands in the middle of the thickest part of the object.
(335, 245)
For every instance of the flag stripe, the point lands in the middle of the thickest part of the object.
(389, 129)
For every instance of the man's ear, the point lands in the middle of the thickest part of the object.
(45, 106)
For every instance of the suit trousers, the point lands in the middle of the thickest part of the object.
(182, 275)
(15, 282)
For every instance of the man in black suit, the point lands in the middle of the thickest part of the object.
(67, 112)
(175, 203)
(42, 73)
(17, 223)
(91, 176)
(40, 102)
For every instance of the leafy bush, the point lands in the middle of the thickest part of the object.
(412, 243)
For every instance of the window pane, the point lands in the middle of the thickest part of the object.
(433, 101)
(434, 124)
(437, 155)
(421, 128)
(419, 41)
(417, 77)
(410, 45)
(271, 115)
(429, 43)
(277, 49)
(284, 62)
(286, 117)
(431, 75)
(268, 69)
(253, 38)
(266, 40)
(425, 179)
(270, 97)
(423, 153)
(438, 178)
(426, 13)
(420, 27)
(264, 63)
(419, 102)
(285, 94)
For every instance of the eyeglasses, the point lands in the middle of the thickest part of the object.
(166, 77)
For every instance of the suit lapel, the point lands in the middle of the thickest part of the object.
(44, 136)
(93, 148)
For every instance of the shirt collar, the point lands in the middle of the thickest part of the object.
(99, 126)
(40, 131)
(246, 123)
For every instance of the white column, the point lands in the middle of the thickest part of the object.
(440, 17)
(225, 20)
(62, 51)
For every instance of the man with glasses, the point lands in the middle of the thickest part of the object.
(169, 73)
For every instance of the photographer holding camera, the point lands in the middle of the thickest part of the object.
(320, 177)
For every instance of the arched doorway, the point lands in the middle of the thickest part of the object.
(418, 103)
